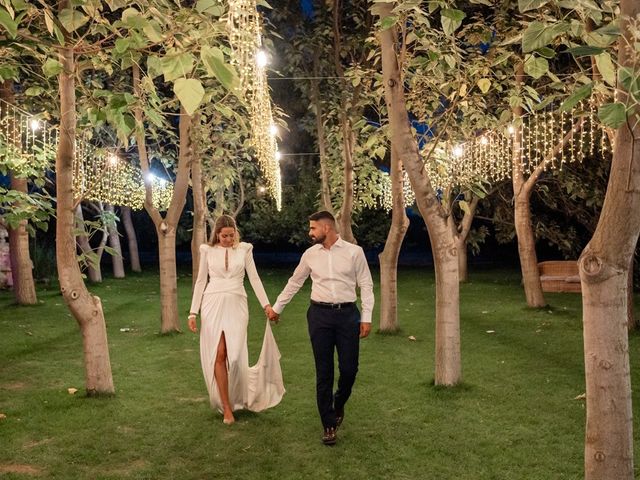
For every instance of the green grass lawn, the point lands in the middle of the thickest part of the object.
(514, 417)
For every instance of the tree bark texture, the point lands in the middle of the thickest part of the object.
(461, 236)
(132, 241)
(604, 269)
(24, 288)
(166, 227)
(114, 243)
(199, 233)
(389, 256)
(85, 308)
(448, 369)
(522, 189)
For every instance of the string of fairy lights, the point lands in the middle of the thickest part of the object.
(250, 59)
(489, 157)
(102, 176)
(27, 142)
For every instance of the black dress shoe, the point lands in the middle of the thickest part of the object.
(329, 436)
(339, 417)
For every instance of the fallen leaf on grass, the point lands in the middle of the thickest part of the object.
(126, 329)
(491, 331)
(582, 396)
(72, 390)
(412, 338)
(2, 416)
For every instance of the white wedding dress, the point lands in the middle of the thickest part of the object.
(223, 305)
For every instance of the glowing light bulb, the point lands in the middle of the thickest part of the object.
(483, 141)
(150, 177)
(458, 151)
(511, 130)
(113, 160)
(273, 129)
(278, 156)
(262, 189)
(261, 58)
(34, 124)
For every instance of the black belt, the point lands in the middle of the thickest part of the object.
(335, 306)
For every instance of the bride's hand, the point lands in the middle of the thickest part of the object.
(192, 324)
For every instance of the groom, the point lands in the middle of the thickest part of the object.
(336, 268)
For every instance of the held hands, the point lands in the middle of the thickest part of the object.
(192, 323)
(271, 314)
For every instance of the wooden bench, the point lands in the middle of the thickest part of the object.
(559, 276)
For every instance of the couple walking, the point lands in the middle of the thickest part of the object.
(336, 267)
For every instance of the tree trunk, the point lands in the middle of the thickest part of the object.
(24, 288)
(85, 308)
(346, 212)
(522, 217)
(325, 189)
(448, 369)
(199, 234)
(94, 272)
(168, 279)
(463, 266)
(114, 243)
(166, 227)
(461, 235)
(604, 270)
(389, 256)
(132, 241)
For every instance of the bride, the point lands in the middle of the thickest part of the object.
(231, 383)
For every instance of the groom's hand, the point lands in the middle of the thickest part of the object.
(365, 329)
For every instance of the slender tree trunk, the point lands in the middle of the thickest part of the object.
(85, 308)
(346, 212)
(132, 241)
(522, 217)
(114, 243)
(389, 256)
(94, 272)
(448, 369)
(325, 189)
(632, 322)
(198, 236)
(604, 270)
(166, 227)
(24, 288)
(461, 236)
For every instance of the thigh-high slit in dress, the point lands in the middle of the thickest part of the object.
(223, 308)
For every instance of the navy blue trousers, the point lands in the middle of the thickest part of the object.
(332, 330)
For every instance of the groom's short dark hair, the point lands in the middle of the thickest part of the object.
(322, 215)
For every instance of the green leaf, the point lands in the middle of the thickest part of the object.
(51, 67)
(484, 84)
(546, 52)
(212, 7)
(451, 19)
(10, 25)
(8, 72)
(213, 60)
(464, 206)
(539, 35)
(154, 66)
(71, 19)
(585, 50)
(153, 31)
(190, 92)
(606, 67)
(122, 44)
(580, 94)
(388, 22)
(536, 67)
(176, 66)
(526, 5)
(630, 82)
(34, 91)
(613, 115)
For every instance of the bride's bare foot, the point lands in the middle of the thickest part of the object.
(228, 418)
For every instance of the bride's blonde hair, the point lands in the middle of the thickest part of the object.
(224, 221)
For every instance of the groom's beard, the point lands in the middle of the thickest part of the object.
(316, 240)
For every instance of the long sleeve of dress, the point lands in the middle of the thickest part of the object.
(201, 282)
(254, 278)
